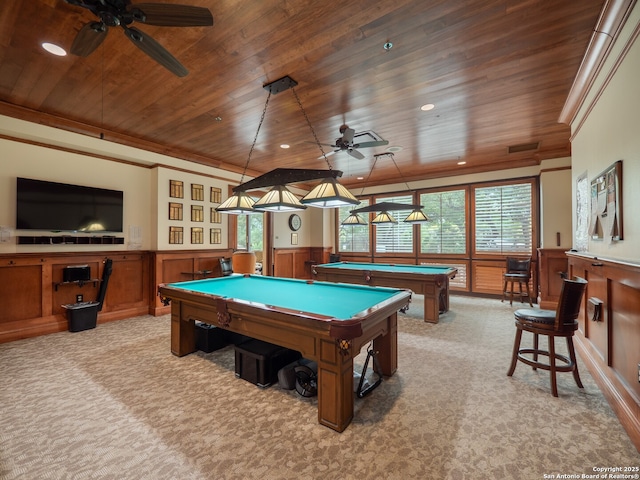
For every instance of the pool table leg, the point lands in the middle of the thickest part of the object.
(335, 374)
(335, 386)
(183, 332)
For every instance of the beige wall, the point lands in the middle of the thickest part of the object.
(555, 209)
(31, 161)
(606, 130)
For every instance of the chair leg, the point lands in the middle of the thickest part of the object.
(572, 357)
(511, 296)
(516, 348)
(535, 349)
(552, 366)
(521, 294)
(504, 290)
(526, 285)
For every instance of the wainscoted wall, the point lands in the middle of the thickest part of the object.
(178, 266)
(609, 342)
(297, 262)
(32, 290)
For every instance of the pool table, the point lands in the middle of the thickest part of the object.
(430, 281)
(326, 322)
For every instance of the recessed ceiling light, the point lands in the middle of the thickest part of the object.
(394, 148)
(54, 49)
(360, 178)
(462, 163)
(427, 106)
(284, 145)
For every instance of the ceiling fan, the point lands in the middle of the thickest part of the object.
(121, 13)
(351, 141)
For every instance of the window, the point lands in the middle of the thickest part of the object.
(250, 232)
(503, 219)
(353, 238)
(395, 237)
(446, 231)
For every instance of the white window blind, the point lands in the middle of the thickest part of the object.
(503, 219)
(446, 231)
(353, 238)
(397, 237)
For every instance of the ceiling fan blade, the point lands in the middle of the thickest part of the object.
(156, 51)
(328, 154)
(347, 135)
(170, 15)
(378, 143)
(89, 38)
(355, 154)
(323, 144)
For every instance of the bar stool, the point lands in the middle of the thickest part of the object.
(518, 271)
(559, 323)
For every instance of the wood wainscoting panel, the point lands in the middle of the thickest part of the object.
(21, 292)
(179, 266)
(610, 348)
(597, 331)
(625, 334)
(33, 290)
(295, 262)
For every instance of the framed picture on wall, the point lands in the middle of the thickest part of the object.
(606, 219)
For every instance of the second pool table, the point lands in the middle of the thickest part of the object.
(428, 280)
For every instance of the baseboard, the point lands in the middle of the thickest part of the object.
(625, 405)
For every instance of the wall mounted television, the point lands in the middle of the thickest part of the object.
(43, 205)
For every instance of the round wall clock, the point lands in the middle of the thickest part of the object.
(295, 222)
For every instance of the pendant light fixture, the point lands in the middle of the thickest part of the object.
(416, 215)
(240, 202)
(279, 199)
(328, 194)
(383, 217)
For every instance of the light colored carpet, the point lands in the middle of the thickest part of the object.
(114, 403)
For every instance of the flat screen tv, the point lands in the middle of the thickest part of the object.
(51, 206)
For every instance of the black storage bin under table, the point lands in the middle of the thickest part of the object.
(258, 362)
(210, 338)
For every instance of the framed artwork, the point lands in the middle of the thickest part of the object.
(583, 198)
(606, 216)
(197, 192)
(216, 195)
(215, 217)
(197, 213)
(176, 189)
(176, 235)
(215, 236)
(197, 235)
(175, 211)
(294, 239)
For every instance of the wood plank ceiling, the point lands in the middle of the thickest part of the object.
(498, 73)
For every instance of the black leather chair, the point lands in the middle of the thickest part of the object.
(226, 266)
(559, 323)
(518, 271)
